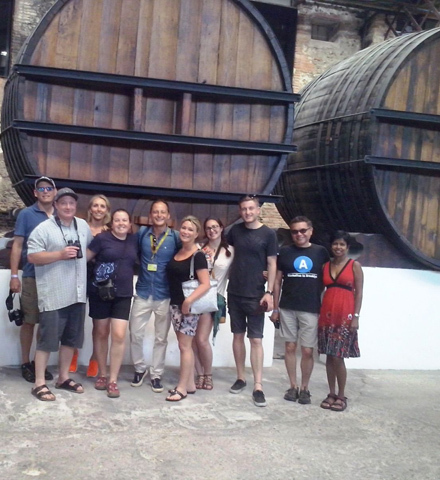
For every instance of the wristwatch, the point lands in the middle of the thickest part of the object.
(269, 292)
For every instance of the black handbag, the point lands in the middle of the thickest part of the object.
(106, 290)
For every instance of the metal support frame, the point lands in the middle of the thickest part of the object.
(133, 191)
(411, 119)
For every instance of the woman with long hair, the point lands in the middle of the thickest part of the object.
(184, 322)
(219, 255)
(98, 219)
(339, 318)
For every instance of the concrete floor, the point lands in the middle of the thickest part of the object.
(390, 430)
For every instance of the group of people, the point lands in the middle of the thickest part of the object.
(66, 259)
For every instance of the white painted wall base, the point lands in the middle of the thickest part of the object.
(399, 326)
(222, 351)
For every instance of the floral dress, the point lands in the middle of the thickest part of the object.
(334, 335)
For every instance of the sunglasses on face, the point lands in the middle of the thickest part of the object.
(214, 227)
(302, 231)
(45, 189)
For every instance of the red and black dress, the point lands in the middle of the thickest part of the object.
(334, 335)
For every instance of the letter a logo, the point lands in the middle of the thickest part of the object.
(303, 264)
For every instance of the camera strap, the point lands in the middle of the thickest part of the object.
(60, 226)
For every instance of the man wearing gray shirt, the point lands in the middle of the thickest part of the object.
(57, 248)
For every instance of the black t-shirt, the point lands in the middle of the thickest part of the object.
(251, 247)
(115, 259)
(302, 277)
(178, 272)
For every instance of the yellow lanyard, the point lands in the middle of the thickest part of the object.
(154, 245)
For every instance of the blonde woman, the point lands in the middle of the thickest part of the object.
(184, 322)
(98, 218)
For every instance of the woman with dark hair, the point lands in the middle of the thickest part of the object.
(219, 255)
(115, 254)
(98, 219)
(339, 318)
(184, 322)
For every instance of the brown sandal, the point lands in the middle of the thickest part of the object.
(339, 405)
(329, 401)
(200, 380)
(101, 383)
(113, 390)
(207, 384)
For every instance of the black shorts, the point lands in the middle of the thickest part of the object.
(244, 315)
(118, 308)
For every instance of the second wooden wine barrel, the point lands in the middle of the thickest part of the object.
(185, 99)
(368, 137)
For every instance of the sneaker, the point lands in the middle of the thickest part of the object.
(28, 372)
(74, 363)
(259, 398)
(156, 386)
(138, 379)
(238, 386)
(291, 394)
(304, 397)
(92, 369)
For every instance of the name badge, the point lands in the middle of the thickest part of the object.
(152, 267)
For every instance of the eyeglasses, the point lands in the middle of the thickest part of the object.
(45, 189)
(302, 231)
(214, 227)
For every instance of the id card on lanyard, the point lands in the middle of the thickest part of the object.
(152, 267)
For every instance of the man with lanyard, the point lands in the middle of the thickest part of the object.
(57, 248)
(27, 220)
(158, 244)
(299, 271)
(256, 249)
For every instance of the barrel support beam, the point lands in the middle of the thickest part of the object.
(179, 142)
(410, 119)
(135, 191)
(80, 78)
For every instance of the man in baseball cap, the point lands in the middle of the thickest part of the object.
(27, 220)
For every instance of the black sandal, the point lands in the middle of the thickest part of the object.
(39, 394)
(339, 405)
(327, 403)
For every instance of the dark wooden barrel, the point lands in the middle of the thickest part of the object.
(185, 99)
(368, 137)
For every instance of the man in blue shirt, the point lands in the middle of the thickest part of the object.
(158, 244)
(27, 220)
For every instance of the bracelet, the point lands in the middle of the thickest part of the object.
(14, 276)
(356, 315)
(275, 311)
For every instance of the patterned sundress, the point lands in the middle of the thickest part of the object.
(334, 335)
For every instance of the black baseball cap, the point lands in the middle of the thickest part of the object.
(64, 192)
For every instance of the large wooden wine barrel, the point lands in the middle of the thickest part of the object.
(185, 99)
(368, 137)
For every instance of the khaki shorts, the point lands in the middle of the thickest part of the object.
(294, 324)
(29, 300)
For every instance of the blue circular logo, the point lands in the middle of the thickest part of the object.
(303, 264)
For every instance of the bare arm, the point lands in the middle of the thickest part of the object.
(90, 255)
(203, 278)
(17, 248)
(276, 296)
(358, 292)
(271, 274)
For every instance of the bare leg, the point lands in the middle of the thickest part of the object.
(94, 335)
(331, 374)
(64, 359)
(341, 375)
(186, 377)
(307, 363)
(202, 345)
(102, 334)
(118, 333)
(26, 338)
(239, 350)
(257, 358)
(41, 360)
(290, 362)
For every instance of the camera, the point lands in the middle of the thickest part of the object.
(76, 243)
(14, 315)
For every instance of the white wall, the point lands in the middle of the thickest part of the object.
(10, 343)
(399, 326)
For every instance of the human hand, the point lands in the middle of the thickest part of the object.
(268, 299)
(15, 285)
(186, 307)
(69, 252)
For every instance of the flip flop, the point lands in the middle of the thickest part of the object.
(38, 393)
(69, 385)
(175, 392)
(188, 392)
